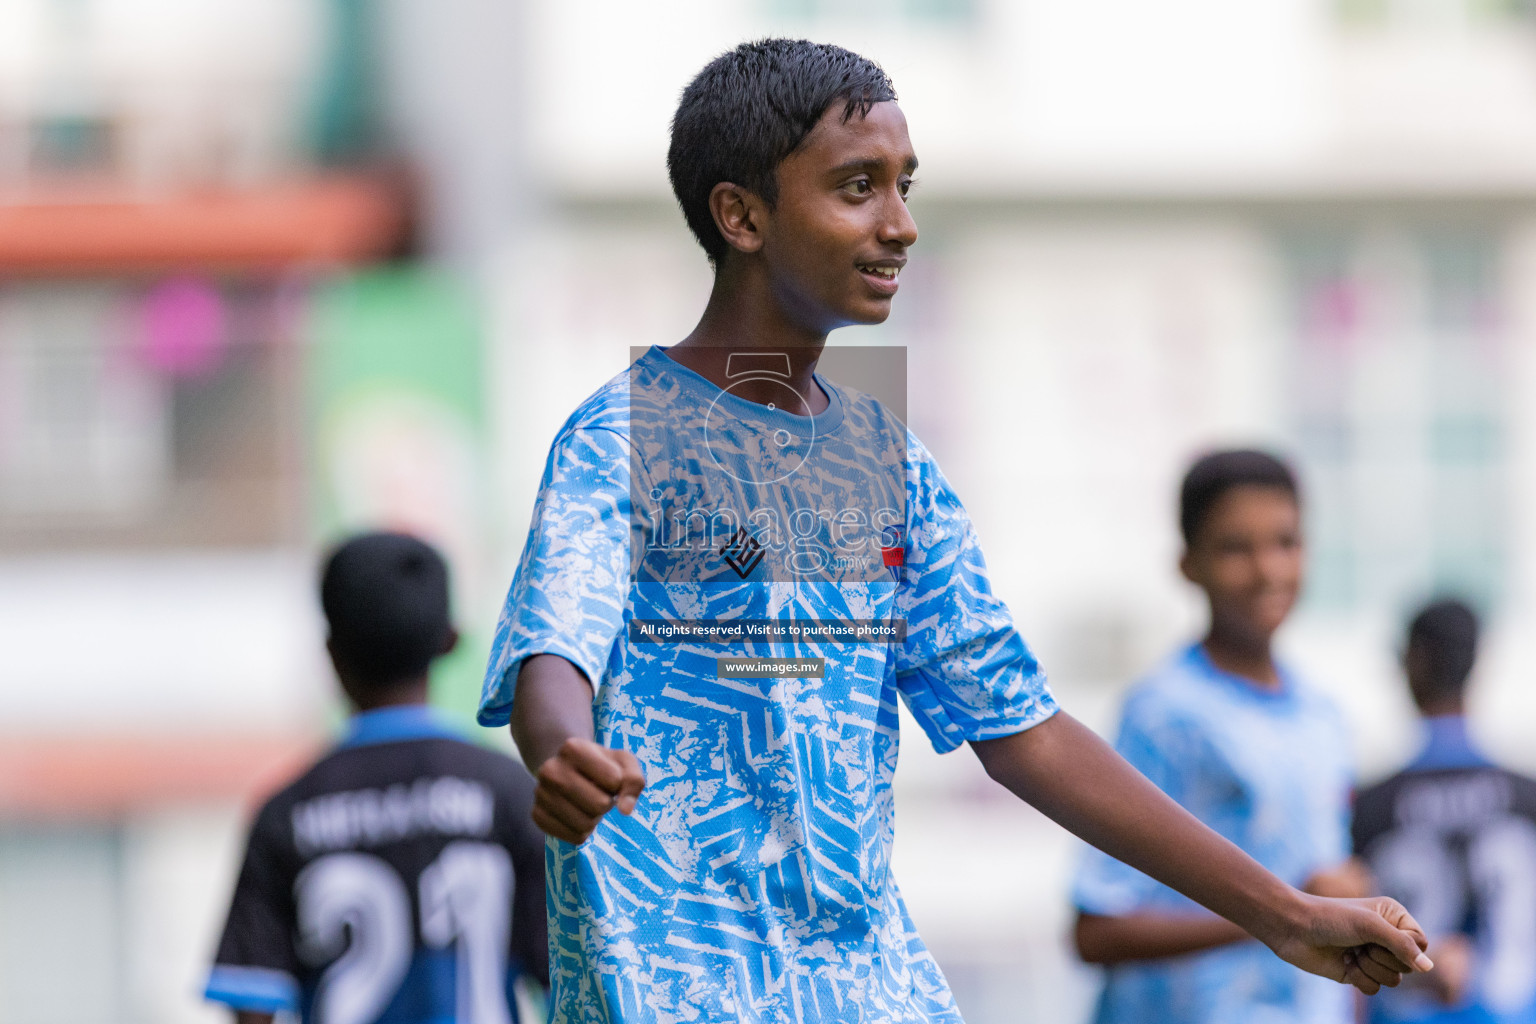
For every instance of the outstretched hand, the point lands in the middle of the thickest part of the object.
(1066, 771)
(579, 784)
(1366, 943)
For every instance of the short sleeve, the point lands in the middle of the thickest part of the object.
(568, 595)
(256, 967)
(964, 671)
(1103, 884)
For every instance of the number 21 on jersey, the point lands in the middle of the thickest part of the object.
(353, 909)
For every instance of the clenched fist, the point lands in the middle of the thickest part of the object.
(581, 782)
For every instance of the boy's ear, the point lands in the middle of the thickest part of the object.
(1187, 566)
(450, 641)
(739, 216)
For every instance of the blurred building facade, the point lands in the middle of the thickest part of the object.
(178, 183)
(1146, 231)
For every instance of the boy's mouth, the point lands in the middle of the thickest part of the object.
(883, 275)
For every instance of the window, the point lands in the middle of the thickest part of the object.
(69, 145)
(164, 412)
(1399, 412)
(84, 428)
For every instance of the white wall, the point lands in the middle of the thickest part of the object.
(155, 642)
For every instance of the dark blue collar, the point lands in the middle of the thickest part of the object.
(1447, 745)
(393, 724)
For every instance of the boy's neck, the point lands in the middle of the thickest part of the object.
(1247, 657)
(1445, 707)
(407, 693)
(743, 315)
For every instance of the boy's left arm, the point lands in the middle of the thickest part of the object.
(1067, 772)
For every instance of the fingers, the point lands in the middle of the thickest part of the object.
(1386, 958)
(631, 781)
(551, 825)
(1373, 968)
(1353, 975)
(560, 777)
(1400, 934)
(559, 780)
(580, 784)
(594, 762)
(558, 815)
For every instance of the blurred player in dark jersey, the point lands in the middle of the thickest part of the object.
(1453, 837)
(401, 878)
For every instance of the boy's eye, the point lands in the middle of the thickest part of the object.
(904, 186)
(859, 186)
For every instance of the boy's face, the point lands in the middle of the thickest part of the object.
(1416, 666)
(1248, 558)
(836, 241)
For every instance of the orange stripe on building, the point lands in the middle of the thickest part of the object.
(85, 777)
(338, 220)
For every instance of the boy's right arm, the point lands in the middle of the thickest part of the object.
(1071, 775)
(578, 780)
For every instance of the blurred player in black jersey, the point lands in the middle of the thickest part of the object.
(1453, 838)
(401, 879)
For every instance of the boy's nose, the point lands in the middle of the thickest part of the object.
(1276, 566)
(898, 225)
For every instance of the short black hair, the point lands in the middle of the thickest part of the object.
(385, 597)
(749, 109)
(1445, 632)
(1215, 474)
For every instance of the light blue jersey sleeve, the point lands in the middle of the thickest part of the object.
(1168, 752)
(964, 670)
(567, 597)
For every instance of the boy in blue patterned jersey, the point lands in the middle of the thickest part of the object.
(724, 489)
(399, 880)
(1248, 748)
(1453, 836)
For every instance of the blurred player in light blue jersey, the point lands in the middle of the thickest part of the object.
(1251, 750)
(1453, 836)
